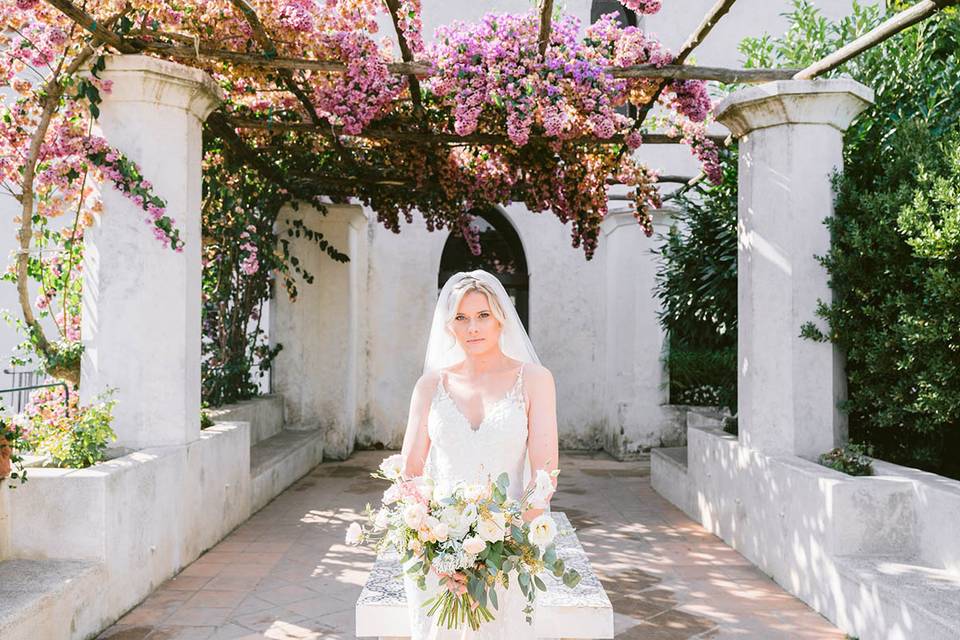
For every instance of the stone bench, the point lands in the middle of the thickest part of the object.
(582, 612)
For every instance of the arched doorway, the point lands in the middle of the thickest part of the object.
(501, 253)
(626, 17)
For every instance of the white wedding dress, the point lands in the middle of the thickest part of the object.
(460, 452)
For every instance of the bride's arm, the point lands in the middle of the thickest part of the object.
(542, 446)
(416, 440)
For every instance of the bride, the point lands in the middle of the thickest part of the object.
(484, 405)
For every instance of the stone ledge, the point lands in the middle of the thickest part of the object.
(912, 600)
(264, 413)
(45, 598)
(280, 460)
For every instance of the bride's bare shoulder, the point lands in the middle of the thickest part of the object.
(428, 381)
(537, 375)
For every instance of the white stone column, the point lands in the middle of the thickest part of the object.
(636, 392)
(141, 301)
(320, 371)
(791, 141)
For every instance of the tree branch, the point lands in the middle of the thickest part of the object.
(546, 14)
(706, 25)
(875, 36)
(407, 55)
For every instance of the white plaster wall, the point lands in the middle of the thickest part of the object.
(565, 322)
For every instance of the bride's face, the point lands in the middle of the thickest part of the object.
(476, 328)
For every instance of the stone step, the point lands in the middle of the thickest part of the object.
(896, 598)
(668, 477)
(48, 598)
(280, 460)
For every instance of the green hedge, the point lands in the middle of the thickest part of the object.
(697, 288)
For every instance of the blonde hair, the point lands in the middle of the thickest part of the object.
(464, 287)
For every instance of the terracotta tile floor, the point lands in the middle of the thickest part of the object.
(286, 572)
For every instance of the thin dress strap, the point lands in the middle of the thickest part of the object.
(518, 385)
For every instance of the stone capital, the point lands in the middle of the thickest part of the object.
(833, 102)
(617, 219)
(350, 214)
(152, 81)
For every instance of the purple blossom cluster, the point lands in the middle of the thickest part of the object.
(494, 67)
(362, 94)
(297, 15)
(690, 98)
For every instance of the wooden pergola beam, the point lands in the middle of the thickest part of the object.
(266, 42)
(906, 18)
(376, 133)
(407, 54)
(690, 72)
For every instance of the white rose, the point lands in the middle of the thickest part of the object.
(382, 521)
(354, 534)
(414, 514)
(441, 530)
(476, 492)
(441, 491)
(474, 544)
(542, 530)
(450, 516)
(470, 514)
(493, 528)
(542, 490)
(392, 466)
(424, 485)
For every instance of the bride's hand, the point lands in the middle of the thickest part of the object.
(530, 514)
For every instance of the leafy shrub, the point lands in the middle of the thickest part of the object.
(11, 442)
(851, 459)
(73, 436)
(697, 288)
(705, 377)
(895, 268)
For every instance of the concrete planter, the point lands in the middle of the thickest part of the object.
(877, 555)
(139, 518)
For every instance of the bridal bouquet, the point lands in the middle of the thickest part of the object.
(470, 535)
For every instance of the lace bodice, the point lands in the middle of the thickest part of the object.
(460, 452)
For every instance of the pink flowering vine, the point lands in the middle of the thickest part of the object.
(642, 6)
